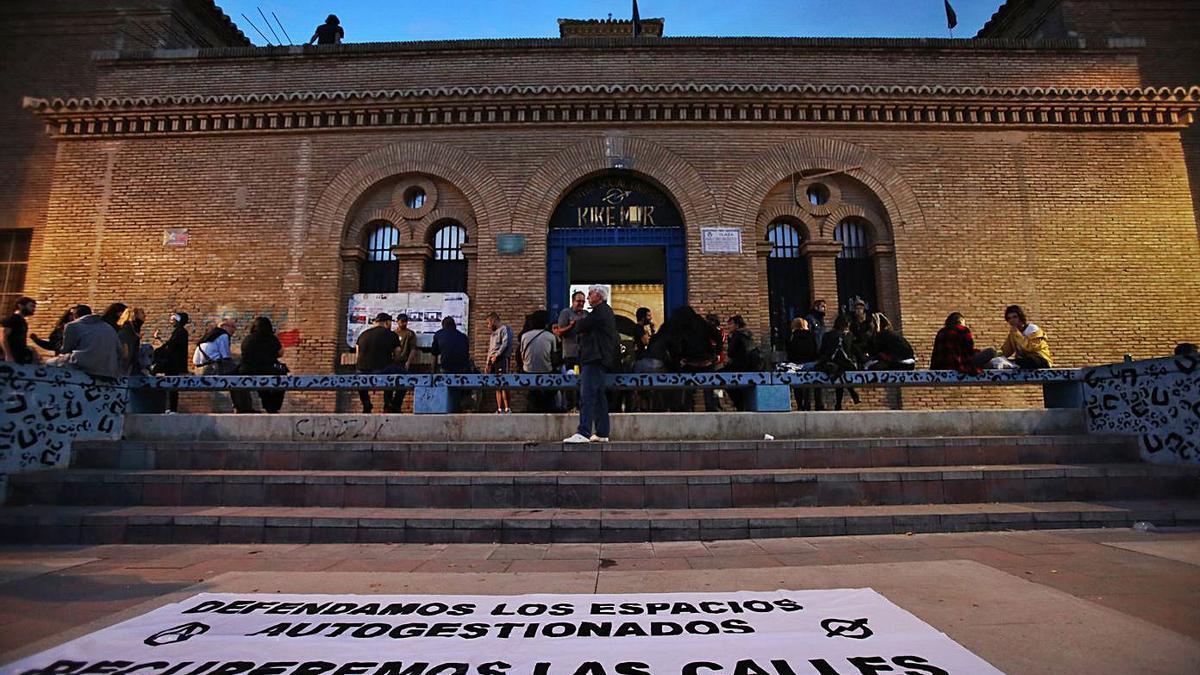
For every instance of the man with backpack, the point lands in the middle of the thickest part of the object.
(213, 356)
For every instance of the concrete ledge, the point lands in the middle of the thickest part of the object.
(625, 427)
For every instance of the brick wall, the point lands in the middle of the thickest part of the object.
(46, 47)
(1090, 231)
(1170, 57)
(528, 62)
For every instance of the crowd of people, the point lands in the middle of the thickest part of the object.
(580, 340)
(112, 344)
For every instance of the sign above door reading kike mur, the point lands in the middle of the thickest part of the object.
(615, 202)
(831, 632)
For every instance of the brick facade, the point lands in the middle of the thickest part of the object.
(1169, 57)
(977, 193)
(46, 47)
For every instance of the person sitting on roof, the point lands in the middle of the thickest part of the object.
(329, 33)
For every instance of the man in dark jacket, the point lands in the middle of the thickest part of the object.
(452, 353)
(451, 349)
(376, 349)
(598, 346)
(170, 358)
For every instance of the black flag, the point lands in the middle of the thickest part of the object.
(637, 21)
(951, 16)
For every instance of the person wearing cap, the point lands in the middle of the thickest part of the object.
(171, 358)
(376, 352)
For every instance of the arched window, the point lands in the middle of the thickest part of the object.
(446, 271)
(855, 269)
(381, 269)
(788, 287)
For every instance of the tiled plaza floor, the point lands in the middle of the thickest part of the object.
(1126, 580)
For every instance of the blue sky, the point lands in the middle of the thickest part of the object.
(387, 20)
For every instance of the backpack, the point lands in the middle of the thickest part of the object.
(556, 355)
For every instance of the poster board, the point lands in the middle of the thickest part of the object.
(818, 632)
(425, 312)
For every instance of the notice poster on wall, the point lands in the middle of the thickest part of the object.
(825, 632)
(425, 312)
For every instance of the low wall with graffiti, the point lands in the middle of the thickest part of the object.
(43, 409)
(1158, 400)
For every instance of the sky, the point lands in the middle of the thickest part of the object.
(401, 20)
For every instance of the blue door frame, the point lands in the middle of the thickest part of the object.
(562, 239)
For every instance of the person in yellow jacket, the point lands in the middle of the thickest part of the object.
(1026, 346)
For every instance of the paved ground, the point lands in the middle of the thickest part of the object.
(1092, 601)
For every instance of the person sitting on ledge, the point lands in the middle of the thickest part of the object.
(839, 353)
(90, 345)
(954, 347)
(329, 33)
(802, 349)
(1026, 346)
(889, 350)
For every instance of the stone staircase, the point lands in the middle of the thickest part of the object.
(162, 491)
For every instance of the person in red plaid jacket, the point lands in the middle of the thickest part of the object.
(954, 347)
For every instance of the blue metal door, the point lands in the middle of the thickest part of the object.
(563, 239)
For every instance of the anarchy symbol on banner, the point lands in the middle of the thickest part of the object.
(846, 628)
(182, 633)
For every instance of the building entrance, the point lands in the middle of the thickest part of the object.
(624, 233)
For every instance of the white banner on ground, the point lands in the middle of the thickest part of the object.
(831, 632)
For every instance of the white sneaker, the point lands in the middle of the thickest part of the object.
(598, 439)
(577, 438)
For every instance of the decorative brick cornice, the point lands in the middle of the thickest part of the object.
(508, 45)
(620, 104)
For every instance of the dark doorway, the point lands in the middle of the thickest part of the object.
(788, 280)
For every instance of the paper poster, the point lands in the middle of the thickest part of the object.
(425, 312)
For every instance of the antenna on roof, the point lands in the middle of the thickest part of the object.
(260, 33)
(269, 26)
(285, 33)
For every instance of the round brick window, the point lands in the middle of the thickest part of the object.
(818, 194)
(414, 197)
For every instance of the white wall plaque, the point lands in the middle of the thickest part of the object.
(720, 240)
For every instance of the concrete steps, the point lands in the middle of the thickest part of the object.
(156, 490)
(765, 488)
(199, 524)
(643, 456)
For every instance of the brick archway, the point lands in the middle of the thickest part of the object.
(746, 194)
(810, 225)
(465, 172)
(332, 220)
(682, 183)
